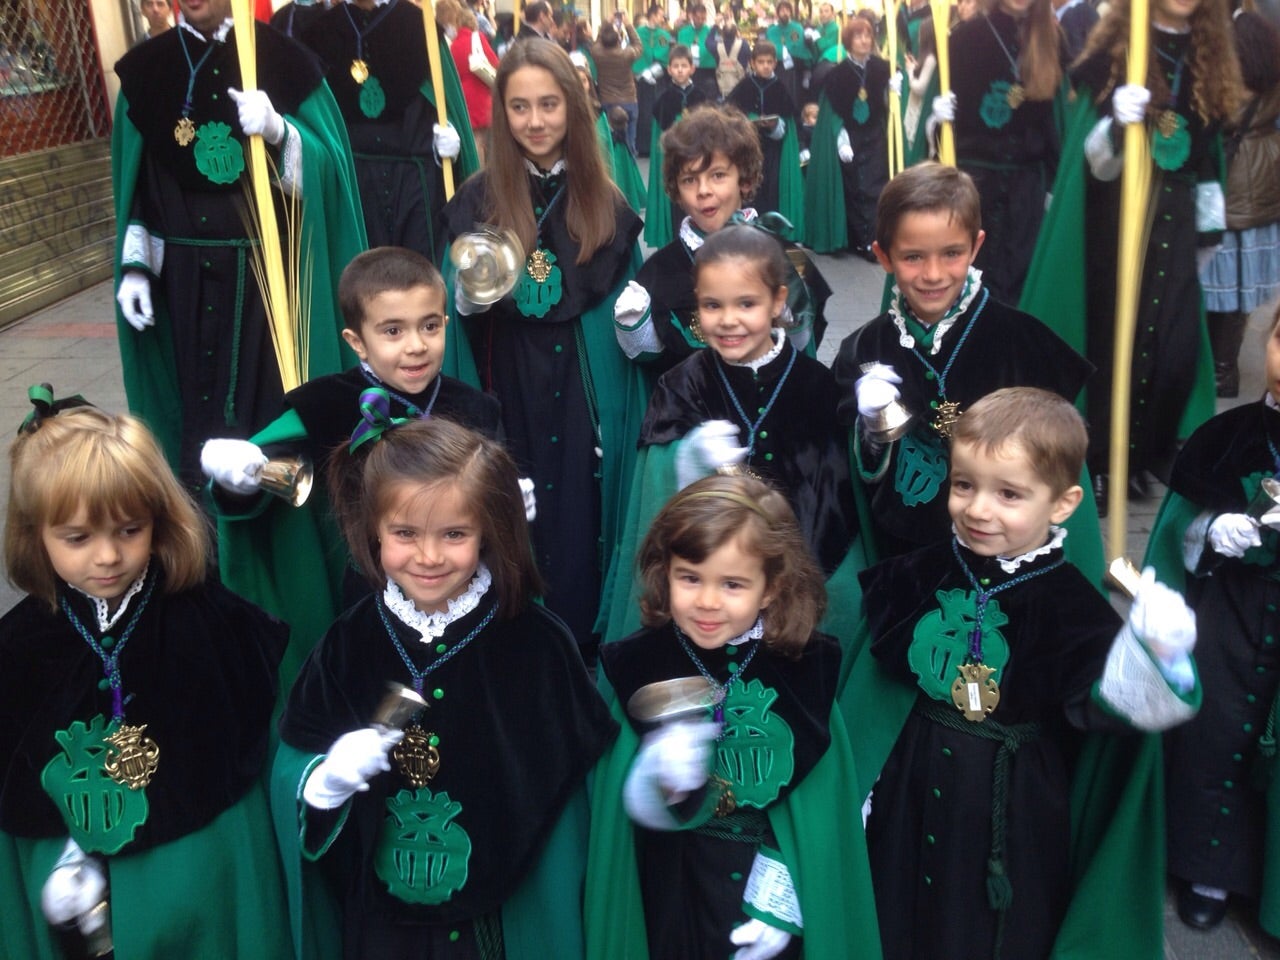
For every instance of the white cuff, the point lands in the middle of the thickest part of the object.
(770, 895)
(1194, 540)
(1103, 160)
(291, 161)
(1135, 687)
(141, 250)
(1211, 207)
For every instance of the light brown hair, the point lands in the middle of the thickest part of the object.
(1040, 59)
(112, 466)
(1047, 427)
(706, 515)
(928, 187)
(707, 128)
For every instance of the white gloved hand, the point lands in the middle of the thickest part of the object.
(1161, 618)
(804, 156)
(944, 107)
(678, 756)
(876, 389)
(257, 115)
(758, 941)
(647, 76)
(779, 130)
(845, 152)
(234, 465)
(656, 71)
(134, 297)
(895, 83)
(706, 448)
(811, 33)
(461, 305)
(1129, 103)
(346, 769)
(1231, 534)
(530, 499)
(631, 306)
(76, 885)
(446, 140)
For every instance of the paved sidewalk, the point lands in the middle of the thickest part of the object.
(72, 345)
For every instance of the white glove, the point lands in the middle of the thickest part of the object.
(1231, 534)
(1129, 103)
(895, 83)
(804, 157)
(944, 107)
(76, 885)
(530, 500)
(779, 130)
(811, 33)
(758, 941)
(1162, 619)
(446, 141)
(707, 447)
(463, 306)
(844, 149)
(656, 71)
(876, 389)
(234, 465)
(134, 297)
(351, 761)
(631, 306)
(257, 115)
(647, 76)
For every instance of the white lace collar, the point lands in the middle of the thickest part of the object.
(102, 608)
(693, 238)
(754, 632)
(779, 338)
(557, 167)
(220, 34)
(431, 626)
(898, 310)
(1011, 564)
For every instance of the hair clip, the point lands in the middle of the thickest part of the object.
(772, 223)
(375, 417)
(41, 397)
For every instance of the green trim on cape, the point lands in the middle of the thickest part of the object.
(658, 228)
(826, 228)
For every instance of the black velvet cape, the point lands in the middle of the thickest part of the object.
(800, 447)
(1005, 348)
(199, 670)
(520, 723)
(868, 173)
(757, 98)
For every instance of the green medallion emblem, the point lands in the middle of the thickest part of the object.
(994, 109)
(756, 755)
(219, 156)
(373, 99)
(1171, 144)
(940, 641)
(422, 855)
(539, 287)
(922, 468)
(102, 814)
(861, 111)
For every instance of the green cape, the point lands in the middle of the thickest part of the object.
(658, 228)
(826, 229)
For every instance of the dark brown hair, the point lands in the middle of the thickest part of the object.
(691, 141)
(591, 198)
(928, 187)
(431, 454)
(1046, 426)
(706, 515)
(377, 271)
(112, 466)
(749, 244)
(764, 48)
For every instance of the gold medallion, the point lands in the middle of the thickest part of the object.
(948, 414)
(862, 94)
(727, 802)
(974, 693)
(538, 267)
(131, 759)
(1016, 95)
(184, 131)
(359, 71)
(1167, 123)
(417, 756)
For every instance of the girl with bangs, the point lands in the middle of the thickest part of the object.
(137, 694)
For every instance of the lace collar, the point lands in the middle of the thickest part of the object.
(759, 363)
(557, 168)
(1011, 564)
(101, 608)
(693, 238)
(219, 35)
(899, 310)
(431, 626)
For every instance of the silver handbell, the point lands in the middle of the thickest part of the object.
(891, 423)
(667, 701)
(488, 262)
(289, 478)
(1265, 501)
(398, 707)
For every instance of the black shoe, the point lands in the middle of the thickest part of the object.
(1226, 375)
(1200, 912)
(1139, 485)
(1101, 490)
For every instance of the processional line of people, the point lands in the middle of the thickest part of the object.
(463, 583)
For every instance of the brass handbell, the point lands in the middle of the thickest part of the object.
(289, 478)
(397, 707)
(891, 423)
(488, 262)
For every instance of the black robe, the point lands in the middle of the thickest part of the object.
(929, 835)
(401, 186)
(519, 724)
(1004, 348)
(534, 366)
(692, 880)
(765, 98)
(1012, 154)
(800, 447)
(1217, 822)
(868, 173)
